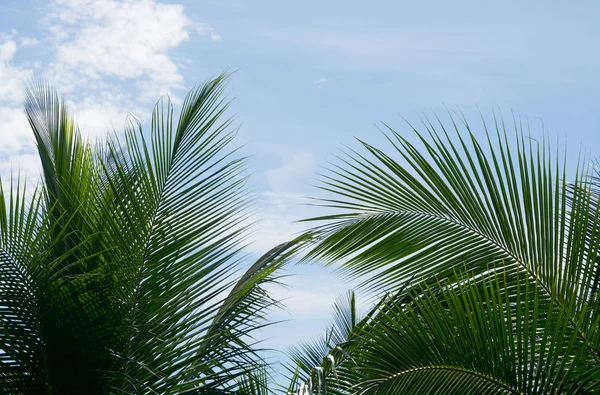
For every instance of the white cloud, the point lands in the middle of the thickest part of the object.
(109, 57)
(7, 50)
(205, 30)
(275, 221)
(310, 292)
(14, 131)
(282, 205)
(96, 118)
(17, 148)
(16, 144)
(320, 83)
(29, 41)
(26, 165)
(310, 302)
(11, 77)
(128, 39)
(293, 174)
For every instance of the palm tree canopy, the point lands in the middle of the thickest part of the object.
(123, 272)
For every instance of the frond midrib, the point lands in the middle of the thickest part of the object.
(501, 384)
(476, 232)
(152, 220)
(464, 226)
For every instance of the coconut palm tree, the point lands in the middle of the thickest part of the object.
(490, 258)
(122, 271)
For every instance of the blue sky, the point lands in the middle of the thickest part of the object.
(309, 76)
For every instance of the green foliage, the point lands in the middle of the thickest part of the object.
(122, 271)
(319, 353)
(501, 253)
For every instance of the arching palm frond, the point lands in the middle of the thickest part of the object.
(23, 260)
(315, 364)
(496, 204)
(126, 269)
(492, 335)
(255, 382)
(308, 355)
(485, 336)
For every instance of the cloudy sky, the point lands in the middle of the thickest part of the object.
(310, 75)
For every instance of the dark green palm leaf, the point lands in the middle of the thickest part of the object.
(125, 271)
(485, 336)
(500, 203)
(308, 355)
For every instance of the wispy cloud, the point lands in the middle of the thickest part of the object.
(519, 51)
(7, 50)
(274, 222)
(16, 145)
(29, 41)
(320, 83)
(111, 58)
(295, 171)
(205, 30)
(99, 39)
(281, 205)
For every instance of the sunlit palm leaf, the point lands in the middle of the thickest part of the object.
(308, 355)
(333, 349)
(126, 270)
(483, 336)
(22, 362)
(254, 382)
(182, 204)
(498, 203)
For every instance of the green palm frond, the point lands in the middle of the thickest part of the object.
(593, 277)
(492, 335)
(125, 269)
(23, 359)
(495, 335)
(308, 355)
(333, 349)
(181, 207)
(255, 382)
(345, 317)
(499, 203)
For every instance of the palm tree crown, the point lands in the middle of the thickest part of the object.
(123, 270)
(120, 271)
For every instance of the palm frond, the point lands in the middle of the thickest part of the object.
(496, 203)
(179, 225)
(126, 269)
(308, 355)
(23, 363)
(255, 382)
(496, 335)
(314, 364)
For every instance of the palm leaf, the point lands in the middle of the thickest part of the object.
(180, 216)
(126, 268)
(308, 355)
(497, 203)
(484, 336)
